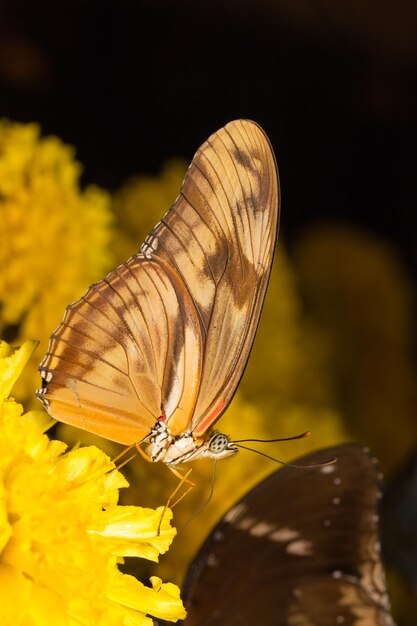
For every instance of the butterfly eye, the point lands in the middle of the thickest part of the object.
(219, 443)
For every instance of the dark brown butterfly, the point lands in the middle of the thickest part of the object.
(300, 549)
(154, 352)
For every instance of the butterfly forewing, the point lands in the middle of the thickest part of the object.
(300, 549)
(220, 236)
(169, 332)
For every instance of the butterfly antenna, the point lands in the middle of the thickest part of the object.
(267, 456)
(203, 506)
(306, 434)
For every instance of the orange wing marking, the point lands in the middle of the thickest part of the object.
(205, 424)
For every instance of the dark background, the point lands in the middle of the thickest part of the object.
(131, 83)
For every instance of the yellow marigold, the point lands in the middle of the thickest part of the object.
(62, 533)
(54, 237)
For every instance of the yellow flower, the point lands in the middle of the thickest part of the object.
(55, 238)
(62, 533)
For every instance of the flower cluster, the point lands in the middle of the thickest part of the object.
(62, 533)
(55, 238)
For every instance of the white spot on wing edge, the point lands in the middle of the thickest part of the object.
(328, 469)
(235, 512)
(47, 376)
(301, 547)
(150, 245)
(212, 560)
(245, 523)
(261, 529)
(45, 402)
(284, 534)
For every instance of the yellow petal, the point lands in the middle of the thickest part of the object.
(43, 604)
(15, 593)
(125, 526)
(40, 418)
(5, 527)
(12, 366)
(163, 601)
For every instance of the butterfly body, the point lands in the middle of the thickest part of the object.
(173, 326)
(183, 448)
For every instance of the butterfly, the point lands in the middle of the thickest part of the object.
(154, 352)
(300, 549)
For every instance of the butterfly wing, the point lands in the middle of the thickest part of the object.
(300, 549)
(172, 328)
(129, 344)
(220, 237)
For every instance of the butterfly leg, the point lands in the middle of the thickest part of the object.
(183, 480)
(126, 450)
(143, 453)
(121, 455)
